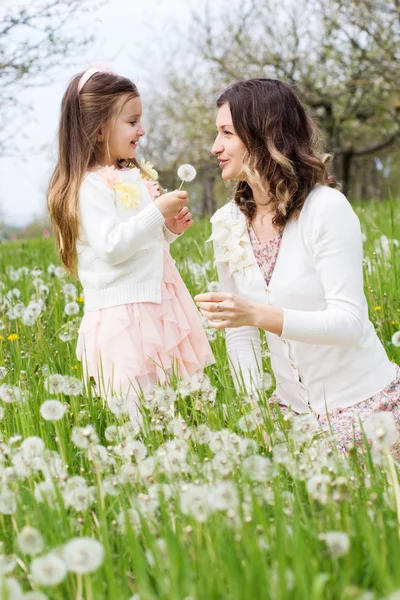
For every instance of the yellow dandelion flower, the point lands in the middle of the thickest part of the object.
(377, 308)
(79, 299)
(1, 337)
(128, 194)
(12, 337)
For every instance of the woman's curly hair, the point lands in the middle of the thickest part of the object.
(283, 146)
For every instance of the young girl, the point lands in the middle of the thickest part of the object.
(113, 227)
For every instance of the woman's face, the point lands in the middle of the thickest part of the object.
(228, 147)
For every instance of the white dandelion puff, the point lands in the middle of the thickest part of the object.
(12, 589)
(83, 555)
(396, 339)
(52, 410)
(187, 173)
(48, 570)
(54, 384)
(71, 308)
(337, 543)
(30, 540)
(380, 427)
(72, 386)
(35, 595)
(8, 502)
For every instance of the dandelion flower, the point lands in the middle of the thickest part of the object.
(337, 543)
(396, 339)
(380, 427)
(12, 589)
(30, 540)
(119, 405)
(213, 286)
(54, 384)
(187, 173)
(83, 555)
(35, 595)
(32, 447)
(72, 386)
(48, 570)
(52, 410)
(71, 308)
(8, 502)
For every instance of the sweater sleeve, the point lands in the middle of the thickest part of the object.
(243, 344)
(114, 240)
(169, 235)
(336, 244)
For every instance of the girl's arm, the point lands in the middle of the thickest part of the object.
(114, 240)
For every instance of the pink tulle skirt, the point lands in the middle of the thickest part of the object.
(132, 347)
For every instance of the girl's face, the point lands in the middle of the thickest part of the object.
(125, 132)
(228, 147)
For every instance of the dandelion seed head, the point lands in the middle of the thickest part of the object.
(48, 570)
(187, 173)
(83, 555)
(52, 410)
(30, 540)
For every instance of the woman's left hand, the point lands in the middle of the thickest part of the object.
(181, 222)
(226, 310)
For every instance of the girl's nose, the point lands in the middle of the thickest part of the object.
(141, 131)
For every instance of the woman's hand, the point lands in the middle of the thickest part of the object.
(226, 310)
(181, 222)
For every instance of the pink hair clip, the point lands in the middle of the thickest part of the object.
(89, 73)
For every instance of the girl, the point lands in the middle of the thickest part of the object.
(289, 256)
(113, 227)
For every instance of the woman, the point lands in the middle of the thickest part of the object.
(289, 254)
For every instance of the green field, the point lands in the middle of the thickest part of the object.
(216, 499)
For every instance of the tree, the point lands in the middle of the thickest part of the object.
(340, 54)
(33, 40)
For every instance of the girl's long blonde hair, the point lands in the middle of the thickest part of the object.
(83, 116)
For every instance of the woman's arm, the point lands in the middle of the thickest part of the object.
(336, 244)
(243, 344)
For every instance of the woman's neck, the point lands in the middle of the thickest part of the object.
(263, 200)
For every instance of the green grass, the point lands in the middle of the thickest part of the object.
(246, 533)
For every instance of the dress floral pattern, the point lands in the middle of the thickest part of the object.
(344, 422)
(265, 253)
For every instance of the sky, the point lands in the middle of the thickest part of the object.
(130, 37)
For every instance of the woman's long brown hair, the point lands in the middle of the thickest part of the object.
(283, 146)
(83, 116)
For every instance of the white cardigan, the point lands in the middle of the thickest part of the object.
(120, 249)
(328, 355)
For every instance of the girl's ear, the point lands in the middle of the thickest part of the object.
(100, 137)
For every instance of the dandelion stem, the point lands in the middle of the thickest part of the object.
(395, 483)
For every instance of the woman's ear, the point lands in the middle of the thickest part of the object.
(100, 136)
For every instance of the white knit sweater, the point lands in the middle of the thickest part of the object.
(120, 249)
(328, 354)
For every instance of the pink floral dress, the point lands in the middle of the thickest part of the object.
(345, 422)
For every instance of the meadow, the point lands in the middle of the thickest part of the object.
(218, 497)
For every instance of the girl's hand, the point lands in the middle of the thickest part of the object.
(181, 222)
(226, 310)
(171, 203)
